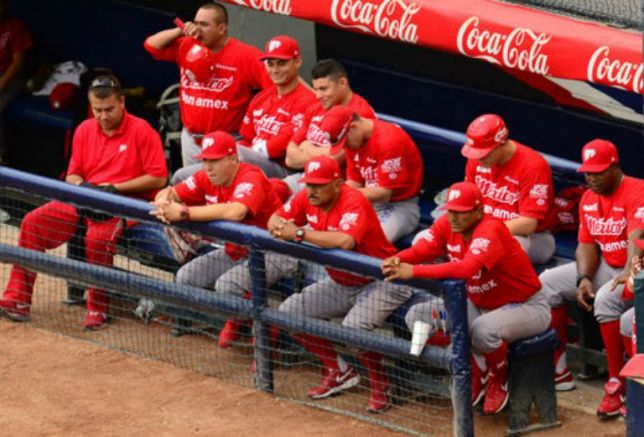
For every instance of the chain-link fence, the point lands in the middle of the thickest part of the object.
(226, 300)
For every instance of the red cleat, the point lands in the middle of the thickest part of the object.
(14, 311)
(613, 400)
(479, 383)
(95, 320)
(564, 381)
(497, 394)
(229, 333)
(335, 382)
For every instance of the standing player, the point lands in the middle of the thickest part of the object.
(611, 215)
(383, 163)
(115, 152)
(504, 303)
(224, 189)
(218, 75)
(339, 217)
(516, 183)
(331, 85)
(276, 112)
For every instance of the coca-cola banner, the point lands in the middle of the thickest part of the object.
(511, 36)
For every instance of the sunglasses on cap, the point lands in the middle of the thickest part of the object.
(104, 82)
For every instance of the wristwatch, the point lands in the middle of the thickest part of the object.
(184, 213)
(299, 235)
(581, 278)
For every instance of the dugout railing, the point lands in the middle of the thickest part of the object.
(455, 359)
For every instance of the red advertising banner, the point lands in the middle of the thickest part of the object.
(508, 35)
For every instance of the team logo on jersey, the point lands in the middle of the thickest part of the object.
(479, 245)
(287, 206)
(312, 218)
(454, 247)
(429, 236)
(297, 120)
(392, 165)
(191, 183)
(598, 226)
(483, 169)
(122, 148)
(501, 194)
(348, 220)
(243, 190)
(639, 214)
(207, 142)
(539, 191)
(590, 208)
(589, 154)
(210, 199)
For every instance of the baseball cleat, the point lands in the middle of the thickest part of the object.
(95, 320)
(229, 334)
(497, 394)
(14, 311)
(564, 381)
(335, 382)
(613, 400)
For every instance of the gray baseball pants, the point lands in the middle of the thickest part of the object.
(489, 328)
(271, 169)
(398, 219)
(558, 284)
(204, 270)
(365, 307)
(539, 246)
(626, 323)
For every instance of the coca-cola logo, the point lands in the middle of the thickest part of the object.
(387, 18)
(520, 49)
(282, 7)
(601, 68)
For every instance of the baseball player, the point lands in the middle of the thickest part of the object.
(611, 214)
(340, 217)
(224, 189)
(504, 302)
(275, 112)
(516, 183)
(113, 151)
(218, 75)
(383, 163)
(627, 321)
(331, 85)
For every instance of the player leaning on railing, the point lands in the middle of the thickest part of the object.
(114, 152)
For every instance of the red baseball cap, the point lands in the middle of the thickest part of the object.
(597, 155)
(217, 145)
(334, 128)
(463, 196)
(484, 134)
(281, 47)
(321, 170)
(197, 60)
(62, 96)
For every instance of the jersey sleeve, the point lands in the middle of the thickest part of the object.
(470, 171)
(352, 172)
(151, 153)
(535, 192)
(635, 213)
(295, 209)
(354, 222)
(76, 163)
(190, 191)
(299, 133)
(487, 246)
(168, 53)
(429, 247)
(393, 165)
(250, 192)
(247, 128)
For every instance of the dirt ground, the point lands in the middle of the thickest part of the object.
(54, 385)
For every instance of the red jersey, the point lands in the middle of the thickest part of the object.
(507, 275)
(607, 220)
(133, 150)
(220, 103)
(390, 159)
(520, 187)
(310, 129)
(352, 214)
(271, 119)
(250, 187)
(14, 38)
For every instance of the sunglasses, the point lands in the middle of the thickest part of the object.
(104, 82)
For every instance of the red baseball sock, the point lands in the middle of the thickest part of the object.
(628, 345)
(614, 347)
(321, 348)
(559, 319)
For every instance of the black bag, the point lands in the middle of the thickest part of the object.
(170, 126)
